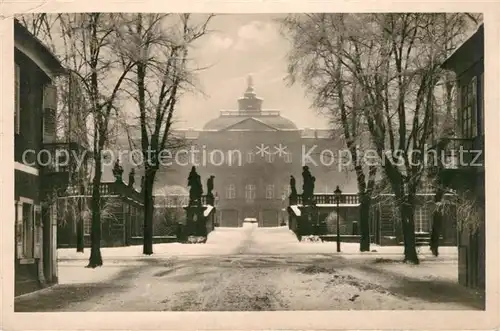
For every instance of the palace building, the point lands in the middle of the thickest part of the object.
(252, 151)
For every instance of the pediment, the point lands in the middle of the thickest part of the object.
(250, 124)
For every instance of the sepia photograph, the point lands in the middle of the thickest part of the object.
(175, 162)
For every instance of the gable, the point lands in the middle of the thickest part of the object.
(250, 124)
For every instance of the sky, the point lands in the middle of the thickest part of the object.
(240, 45)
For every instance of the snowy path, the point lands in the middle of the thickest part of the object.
(251, 269)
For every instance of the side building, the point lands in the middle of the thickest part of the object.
(35, 104)
(466, 176)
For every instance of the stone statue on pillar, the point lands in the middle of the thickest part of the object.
(210, 187)
(118, 171)
(131, 178)
(306, 186)
(195, 188)
(143, 182)
(293, 191)
(311, 188)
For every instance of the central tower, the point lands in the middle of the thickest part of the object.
(250, 102)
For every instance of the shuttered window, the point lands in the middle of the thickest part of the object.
(49, 113)
(37, 219)
(468, 121)
(28, 229)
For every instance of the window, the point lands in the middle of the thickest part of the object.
(286, 190)
(17, 100)
(49, 125)
(422, 219)
(250, 192)
(269, 191)
(135, 222)
(250, 157)
(468, 109)
(28, 229)
(49, 113)
(231, 191)
(25, 228)
(288, 157)
(87, 222)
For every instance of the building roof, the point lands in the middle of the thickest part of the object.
(25, 38)
(471, 50)
(275, 121)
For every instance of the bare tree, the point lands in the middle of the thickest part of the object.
(314, 58)
(90, 44)
(394, 60)
(159, 44)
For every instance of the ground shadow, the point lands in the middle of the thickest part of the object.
(431, 290)
(60, 297)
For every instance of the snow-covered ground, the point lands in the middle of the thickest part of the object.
(219, 242)
(224, 241)
(253, 268)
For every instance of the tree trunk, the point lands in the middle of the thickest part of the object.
(408, 227)
(148, 211)
(437, 222)
(364, 222)
(80, 241)
(95, 259)
(79, 235)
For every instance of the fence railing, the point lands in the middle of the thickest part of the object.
(325, 198)
(109, 188)
(180, 200)
(249, 112)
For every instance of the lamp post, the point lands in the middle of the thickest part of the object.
(338, 194)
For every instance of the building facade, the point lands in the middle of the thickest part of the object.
(122, 214)
(466, 175)
(252, 152)
(34, 130)
(385, 223)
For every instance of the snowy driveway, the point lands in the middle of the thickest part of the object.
(252, 269)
